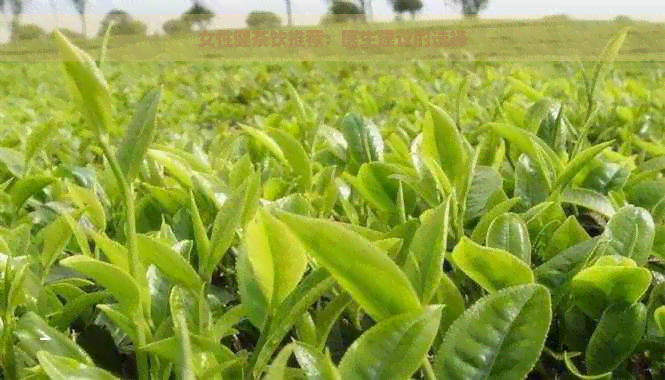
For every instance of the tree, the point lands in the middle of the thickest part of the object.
(28, 32)
(363, 8)
(176, 26)
(16, 7)
(343, 11)
(71, 34)
(124, 24)
(263, 19)
(289, 12)
(471, 8)
(80, 8)
(403, 6)
(199, 14)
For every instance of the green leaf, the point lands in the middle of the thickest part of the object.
(354, 262)
(607, 57)
(509, 233)
(87, 199)
(62, 368)
(372, 184)
(567, 358)
(35, 335)
(120, 320)
(659, 316)
(365, 143)
(289, 311)
(315, 365)
(55, 238)
(326, 319)
(13, 160)
(558, 271)
(90, 87)
(114, 252)
(631, 233)
(481, 264)
(393, 348)
(139, 135)
(448, 294)
(486, 181)
(479, 233)
(264, 139)
(277, 370)
(617, 334)
(443, 142)
(105, 43)
(296, 156)
(26, 187)
(277, 258)
(230, 216)
(578, 163)
(569, 233)
(531, 184)
(590, 199)
(114, 279)
(184, 360)
(547, 161)
(612, 280)
(500, 337)
(38, 138)
(429, 248)
(169, 262)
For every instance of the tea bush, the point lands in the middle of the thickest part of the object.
(427, 220)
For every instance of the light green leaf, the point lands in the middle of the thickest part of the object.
(90, 87)
(169, 262)
(547, 161)
(139, 135)
(599, 286)
(277, 258)
(444, 143)
(63, 368)
(481, 265)
(429, 248)
(114, 279)
(479, 233)
(277, 370)
(354, 262)
(34, 335)
(267, 141)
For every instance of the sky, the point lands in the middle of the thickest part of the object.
(232, 13)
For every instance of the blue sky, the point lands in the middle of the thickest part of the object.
(232, 13)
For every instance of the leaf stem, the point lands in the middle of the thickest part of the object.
(127, 193)
(429, 371)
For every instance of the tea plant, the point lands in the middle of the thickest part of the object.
(486, 229)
